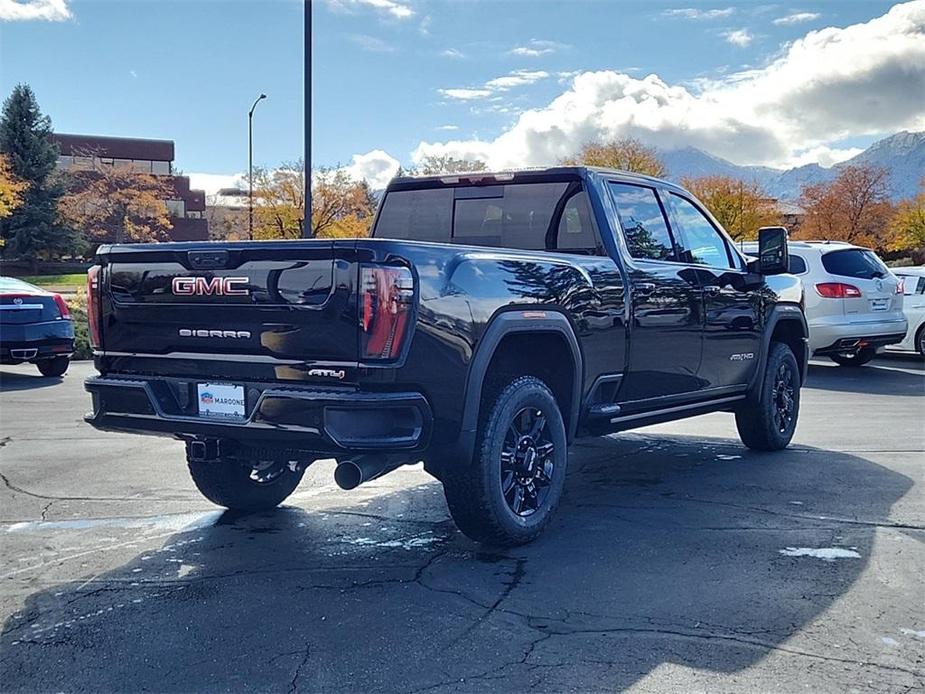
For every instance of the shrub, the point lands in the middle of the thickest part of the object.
(78, 307)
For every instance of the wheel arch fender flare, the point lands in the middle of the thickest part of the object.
(779, 314)
(514, 322)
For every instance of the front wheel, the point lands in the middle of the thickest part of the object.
(920, 341)
(241, 486)
(511, 488)
(767, 423)
(859, 358)
(54, 367)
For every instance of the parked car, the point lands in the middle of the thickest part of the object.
(853, 303)
(489, 321)
(35, 326)
(914, 307)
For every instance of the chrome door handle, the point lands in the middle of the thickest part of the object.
(644, 286)
(712, 290)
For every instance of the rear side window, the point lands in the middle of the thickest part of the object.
(797, 265)
(552, 216)
(859, 263)
(644, 225)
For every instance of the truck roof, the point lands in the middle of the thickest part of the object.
(521, 176)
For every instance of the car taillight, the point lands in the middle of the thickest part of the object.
(93, 305)
(900, 286)
(62, 306)
(837, 290)
(386, 298)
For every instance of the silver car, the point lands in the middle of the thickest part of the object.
(853, 303)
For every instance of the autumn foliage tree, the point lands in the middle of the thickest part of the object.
(853, 207)
(626, 154)
(341, 206)
(115, 204)
(906, 229)
(739, 206)
(434, 165)
(11, 188)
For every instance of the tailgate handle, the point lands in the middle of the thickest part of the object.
(207, 260)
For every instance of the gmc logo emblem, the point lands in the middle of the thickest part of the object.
(218, 286)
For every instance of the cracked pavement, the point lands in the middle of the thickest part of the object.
(663, 570)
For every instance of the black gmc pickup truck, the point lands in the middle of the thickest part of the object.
(489, 321)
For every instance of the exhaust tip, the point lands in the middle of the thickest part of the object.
(348, 475)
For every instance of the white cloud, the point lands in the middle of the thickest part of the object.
(393, 8)
(465, 94)
(823, 155)
(41, 10)
(447, 127)
(738, 37)
(831, 84)
(517, 78)
(375, 167)
(536, 47)
(452, 53)
(371, 43)
(796, 18)
(694, 13)
(212, 183)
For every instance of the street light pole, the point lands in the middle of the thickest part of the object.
(307, 222)
(250, 167)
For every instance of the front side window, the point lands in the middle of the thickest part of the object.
(644, 225)
(701, 240)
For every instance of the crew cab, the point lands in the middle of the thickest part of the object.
(488, 322)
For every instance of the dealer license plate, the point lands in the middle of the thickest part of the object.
(221, 400)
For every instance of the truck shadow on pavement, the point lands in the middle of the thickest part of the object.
(666, 552)
(17, 380)
(880, 377)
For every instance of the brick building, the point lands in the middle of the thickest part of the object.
(186, 207)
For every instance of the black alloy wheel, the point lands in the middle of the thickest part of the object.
(783, 397)
(527, 462)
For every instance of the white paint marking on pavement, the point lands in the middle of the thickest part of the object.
(175, 522)
(913, 633)
(824, 553)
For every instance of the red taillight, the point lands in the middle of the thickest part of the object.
(900, 286)
(837, 290)
(386, 298)
(93, 305)
(62, 306)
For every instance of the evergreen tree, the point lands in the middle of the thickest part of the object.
(32, 230)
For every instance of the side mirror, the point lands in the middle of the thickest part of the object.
(773, 255)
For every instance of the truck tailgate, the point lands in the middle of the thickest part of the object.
(279, 304)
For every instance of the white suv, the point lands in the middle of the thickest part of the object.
(853, 303)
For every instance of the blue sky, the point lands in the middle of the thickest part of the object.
(393, 74)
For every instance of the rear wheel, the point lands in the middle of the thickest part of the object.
(767, 423)
(920, 341)
(242, 486)
(859, 358)
(54, 367)
(511, 489)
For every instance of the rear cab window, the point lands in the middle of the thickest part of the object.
(541, 216)
(858, 263)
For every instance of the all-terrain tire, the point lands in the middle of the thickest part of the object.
(54, 367)
(483, 495)
(229, 483)
(860, 358)
(767, 422)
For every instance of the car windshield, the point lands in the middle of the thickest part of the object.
(859, 263)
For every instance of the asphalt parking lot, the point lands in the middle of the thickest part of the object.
(679, 561)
